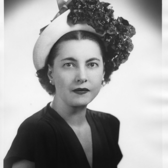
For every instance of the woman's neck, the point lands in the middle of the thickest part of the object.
(73, 115)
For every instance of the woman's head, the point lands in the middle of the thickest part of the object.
(81, 38)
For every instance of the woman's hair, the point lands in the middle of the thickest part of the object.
(42, 74)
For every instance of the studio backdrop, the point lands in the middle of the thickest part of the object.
(133, 95)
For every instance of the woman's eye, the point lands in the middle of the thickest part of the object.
(68, 65)
(93, 65)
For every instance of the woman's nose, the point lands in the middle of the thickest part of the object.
(80, 80)
(81, 76)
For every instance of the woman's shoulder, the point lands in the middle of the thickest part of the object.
(33, 135)
(32, 129)
(33, 122)
(106, 121)
(104, 116)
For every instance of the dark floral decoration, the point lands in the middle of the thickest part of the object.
(115, 33)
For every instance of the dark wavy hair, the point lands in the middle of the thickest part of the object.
(74, 35)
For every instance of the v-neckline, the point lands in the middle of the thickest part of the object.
(74, 140)
(83, 151)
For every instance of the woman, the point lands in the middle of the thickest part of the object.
(73, 60)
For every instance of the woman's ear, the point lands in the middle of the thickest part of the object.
(50, 74)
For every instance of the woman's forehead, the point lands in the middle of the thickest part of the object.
(83, 49)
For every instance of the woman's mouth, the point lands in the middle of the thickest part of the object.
(81, 91)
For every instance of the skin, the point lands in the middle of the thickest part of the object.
(78, 64)
(23, 164)
(77, 61)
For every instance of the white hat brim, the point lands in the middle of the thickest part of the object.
(56, 29)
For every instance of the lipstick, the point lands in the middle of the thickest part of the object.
(81, 90)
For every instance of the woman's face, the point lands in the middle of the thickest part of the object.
(77, 72)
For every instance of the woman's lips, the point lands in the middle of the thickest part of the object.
(81, 90)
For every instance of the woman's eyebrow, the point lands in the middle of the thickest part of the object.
(93, 59)
(69, 59)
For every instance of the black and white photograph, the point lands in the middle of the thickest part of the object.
(84, 84)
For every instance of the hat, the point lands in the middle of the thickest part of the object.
(88, 15)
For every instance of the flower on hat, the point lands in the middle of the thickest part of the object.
(115, 33)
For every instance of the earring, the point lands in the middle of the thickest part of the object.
(51, 82)
(103, 82)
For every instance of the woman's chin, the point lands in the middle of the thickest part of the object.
(81, 102)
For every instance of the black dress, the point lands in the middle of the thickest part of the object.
(46, 139)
